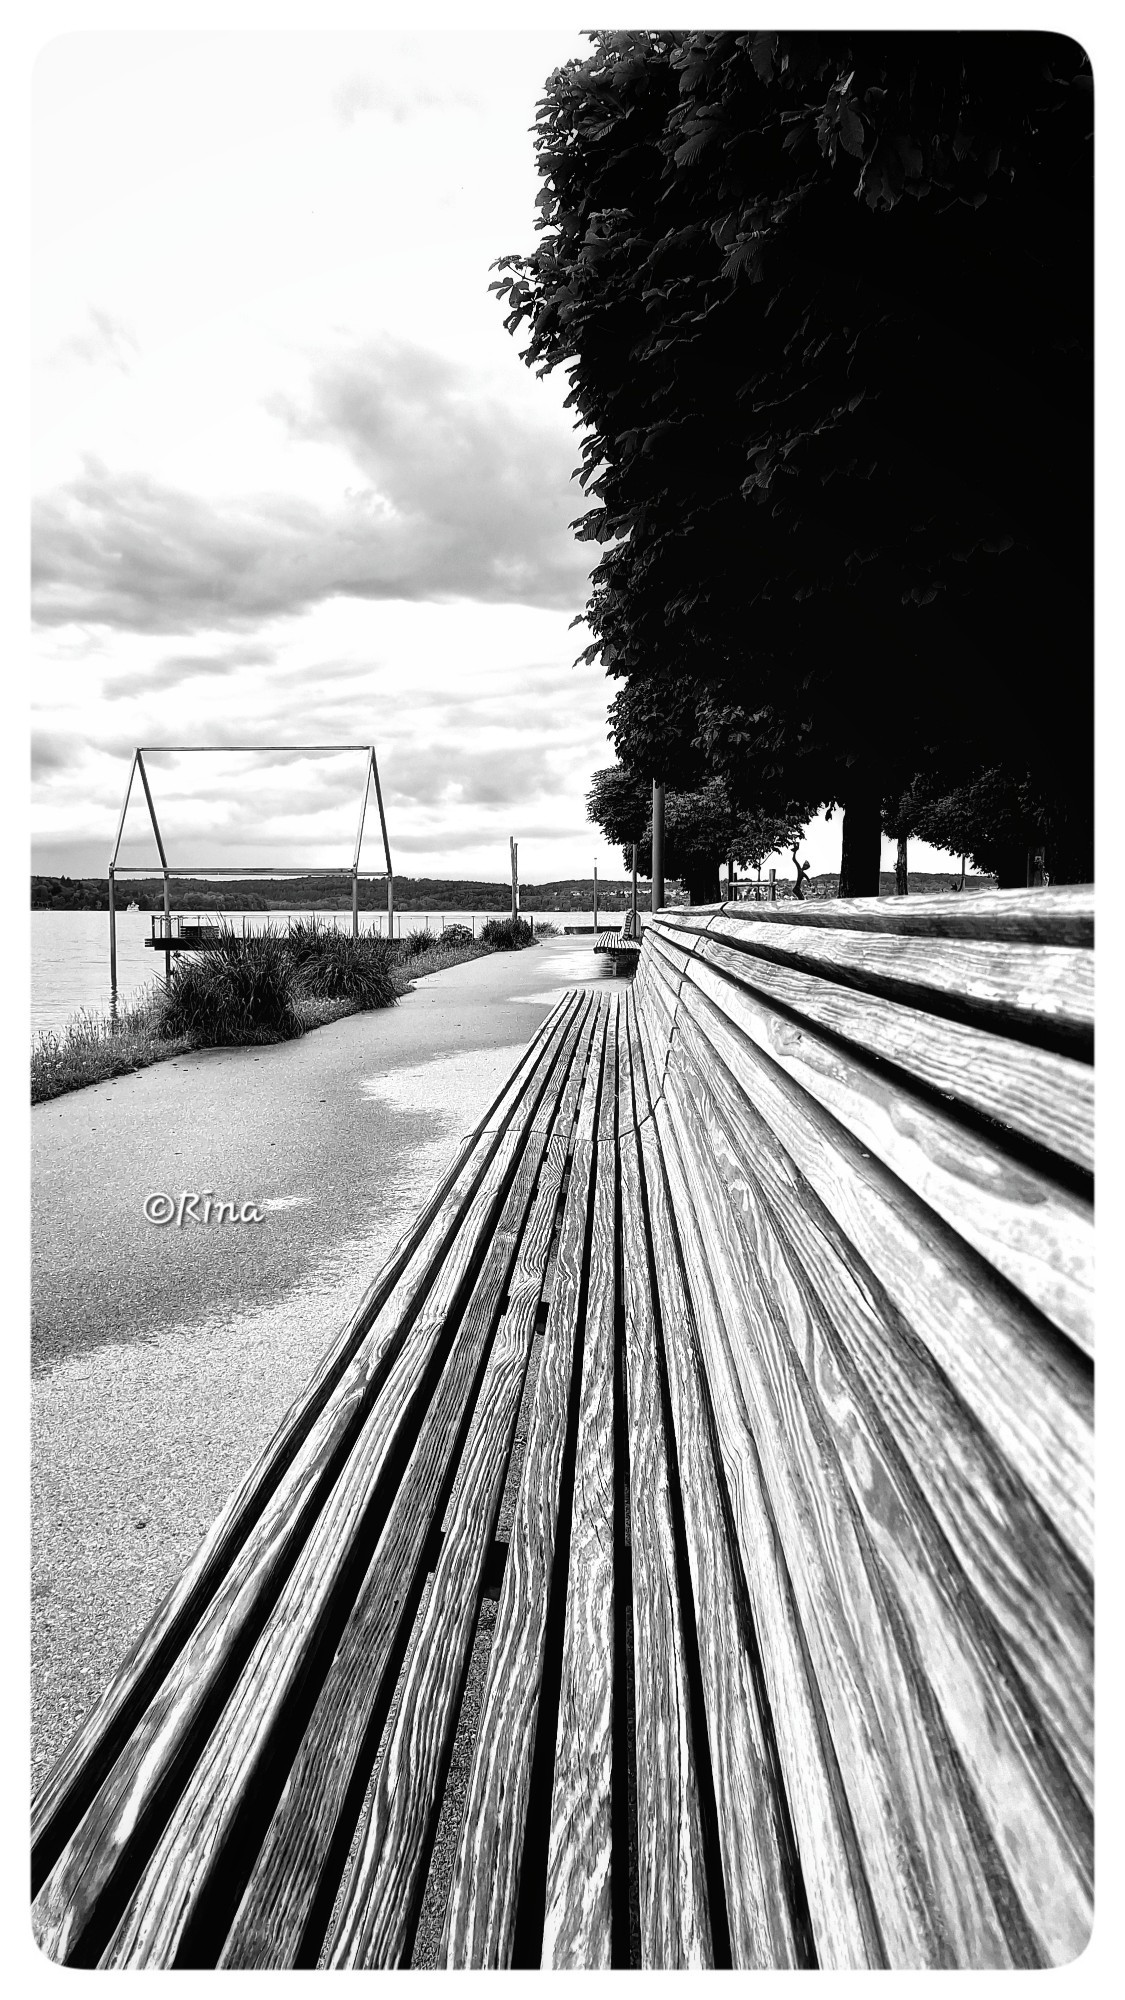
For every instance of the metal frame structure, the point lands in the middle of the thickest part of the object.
(246, 749)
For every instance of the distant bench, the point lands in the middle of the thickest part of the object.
(785, 1251)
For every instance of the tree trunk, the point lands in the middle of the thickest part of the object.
(1011, 865)
(902, 879)
(702, 882)
(861, 844)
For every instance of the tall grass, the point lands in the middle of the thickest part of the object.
(93, 1047)
(241, 990)
(332, 965)
(507, 933)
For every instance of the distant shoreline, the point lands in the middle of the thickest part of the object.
(417, 894)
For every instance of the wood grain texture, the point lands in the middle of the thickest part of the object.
(1043, 1097)
(910, 1822)
(1030, 1585)
(203, 1836)
(481, 1912)
(1054, 916)
(844, 1928)
(1027, 1391)
(672, 1869)
(1036, 1233)
(1040, 1831)
(577, 1925)
(755, 1861)
(1044, 993)
(382, 1894)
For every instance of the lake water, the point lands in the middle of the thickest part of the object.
(70, 950)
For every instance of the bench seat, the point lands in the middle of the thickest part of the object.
(683, 1556)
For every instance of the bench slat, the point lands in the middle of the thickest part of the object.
(1040, 1830)
(381, 1897)
(1044, 1097)
(1037, 1234)
(672, 1869)
(756, 1853)
(1061, 915)
(481, 1913)
(840, 1911)
(912, 1830)
(1029, 1390)
(1044, 993)
(1033, 1589)
(578, 1916)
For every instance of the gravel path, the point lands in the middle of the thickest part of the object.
(163, 1357)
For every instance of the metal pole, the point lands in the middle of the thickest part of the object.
(167, 918)
(390, 906)
(657, 847)
(515, 879)
(595, 899)
(355, 904)
(634, 885)
(112, 940)
(773, 885)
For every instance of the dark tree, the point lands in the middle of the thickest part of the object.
(826, 304)
(702, 828)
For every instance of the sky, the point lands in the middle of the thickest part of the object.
(292, 482)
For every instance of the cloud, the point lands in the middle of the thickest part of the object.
(171, 672)
(359, 94)
(460, 497)
(53, 751)
(105, 339)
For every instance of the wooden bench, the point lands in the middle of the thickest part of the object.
(623, 946)
(737, 1379)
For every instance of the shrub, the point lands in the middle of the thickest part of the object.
(545, 928)
(239, 990)
(416, 942)
(330, 964)
(456, 934)
(507, 933)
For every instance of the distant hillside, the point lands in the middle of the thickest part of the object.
(412, 892)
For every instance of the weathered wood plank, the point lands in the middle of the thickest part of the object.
(481, 1913)
(384, 1888)
(1053, 916)
(751, 1810)
(198, 1854)
(1040, 1830)
(1044, 993)
(118, 1829)
(1029, 1391)
(1044, 1097)
(1036, 1233)
(912, 1828)
(1036, 1594)
(672, 1867)
(577, 1926)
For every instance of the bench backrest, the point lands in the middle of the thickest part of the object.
(876, 1119)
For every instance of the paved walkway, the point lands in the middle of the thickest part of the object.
(164, 1357)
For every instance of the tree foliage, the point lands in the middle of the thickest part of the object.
(825, 302)
(702, 828)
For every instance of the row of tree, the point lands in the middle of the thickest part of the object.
(825, 304)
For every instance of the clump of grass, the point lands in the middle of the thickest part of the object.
(415, 942)
(454, 935)
(332, 965)
(93, 1047)
(545, 928)
(239, 991)
(507, 933)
